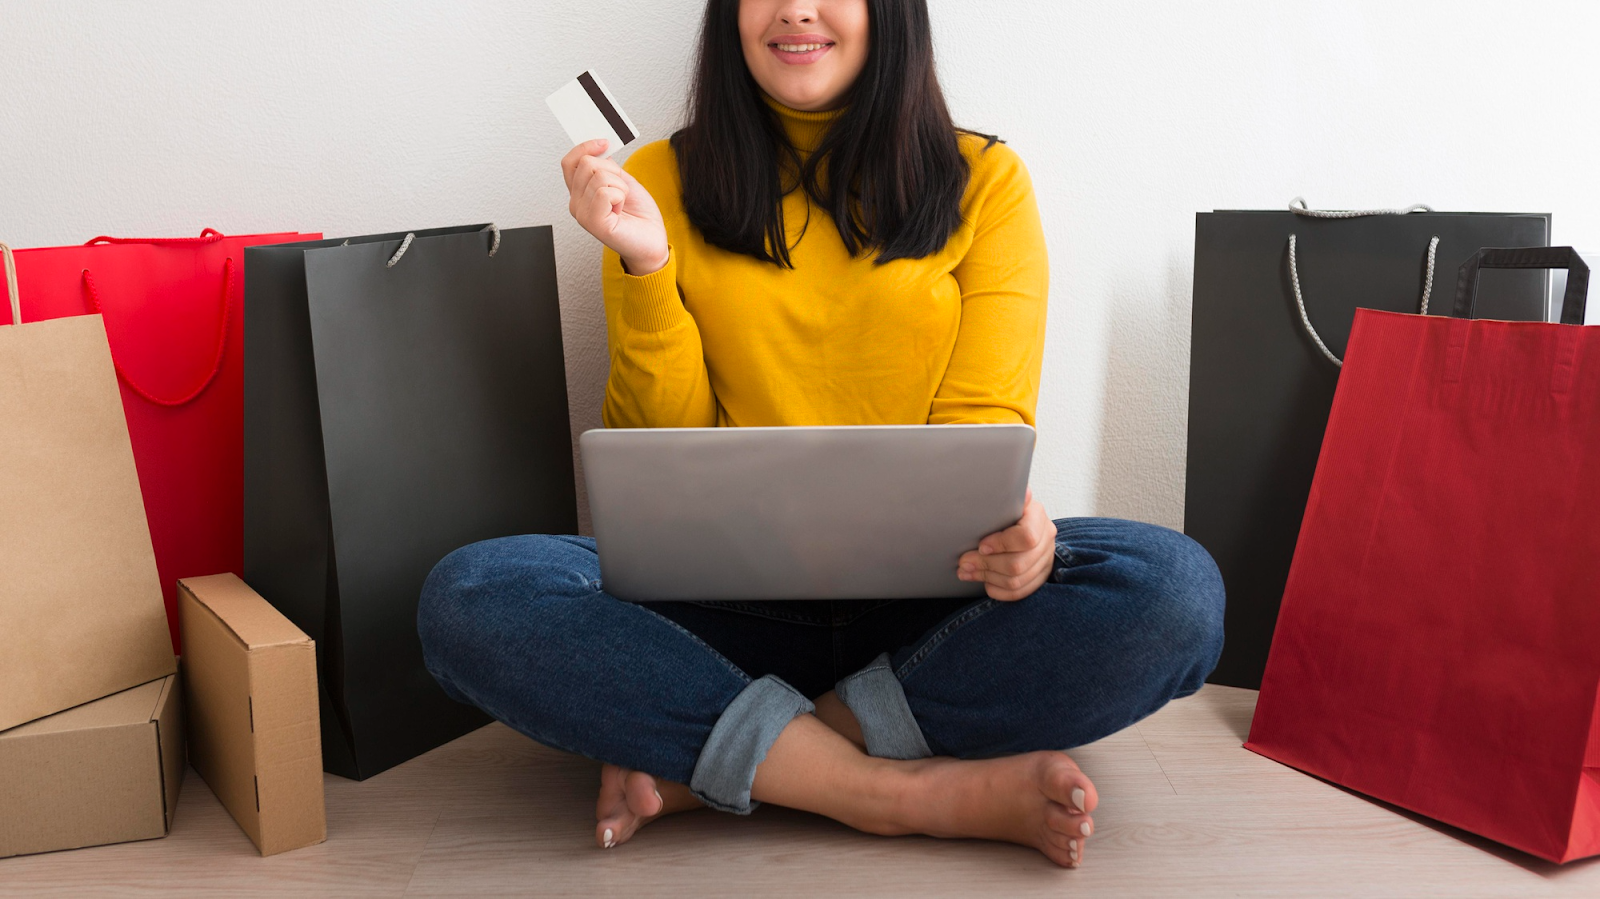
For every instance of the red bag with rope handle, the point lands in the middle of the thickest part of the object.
(174, 316)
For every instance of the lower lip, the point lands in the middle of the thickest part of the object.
(799, 59)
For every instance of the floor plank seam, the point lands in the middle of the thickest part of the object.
(417, 862)
(1152, 750)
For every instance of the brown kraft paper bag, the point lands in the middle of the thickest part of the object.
(81, 614)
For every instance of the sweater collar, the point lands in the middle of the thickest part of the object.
(805, 129)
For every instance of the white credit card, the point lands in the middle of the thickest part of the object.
(588, 111)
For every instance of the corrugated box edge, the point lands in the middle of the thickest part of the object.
(282, 710)
(164, 711)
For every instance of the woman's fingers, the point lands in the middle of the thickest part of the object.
(1034, 528)
(1020, 537)
(613, 206)
(598, 195)
(1009, 563)
(584, 166)
(605, 182)
(569, 162)
(1008, 587)
(598, 207)
(1009, 575)
(1002, 564)
(1015, 561)
(589, 149)
(588, 177)
(585, 174)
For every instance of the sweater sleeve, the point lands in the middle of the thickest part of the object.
(658, 375)
(993, 374)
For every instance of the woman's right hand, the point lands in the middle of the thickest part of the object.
(610, 204)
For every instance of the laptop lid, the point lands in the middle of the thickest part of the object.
(836, 512)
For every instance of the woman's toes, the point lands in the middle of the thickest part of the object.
(1064, 850)
(611, 782)
(643, 797)
(1063, 819)
(631, 799)
(615, 828)
(615, 821)
(1066, 783)
(608, 830)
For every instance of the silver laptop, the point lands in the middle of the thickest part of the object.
(852, 512)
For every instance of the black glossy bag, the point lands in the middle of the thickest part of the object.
(1261, 378)
(405, 395)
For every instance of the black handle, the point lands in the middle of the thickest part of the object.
(1572, 306)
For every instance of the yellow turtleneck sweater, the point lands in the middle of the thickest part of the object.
(717, 338)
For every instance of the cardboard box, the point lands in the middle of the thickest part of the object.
(250, 679)
(106, 771)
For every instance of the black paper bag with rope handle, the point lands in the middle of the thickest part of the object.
(405, 395)
(1262, 372)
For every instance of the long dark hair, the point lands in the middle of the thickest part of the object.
(889, 169)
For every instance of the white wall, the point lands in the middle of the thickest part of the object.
(357, 117)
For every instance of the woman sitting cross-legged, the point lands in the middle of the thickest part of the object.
(822, 246)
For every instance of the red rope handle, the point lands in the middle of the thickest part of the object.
(209, 235)
(222, 340)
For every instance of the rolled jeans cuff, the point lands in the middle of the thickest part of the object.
(875, 697)
(726, 768)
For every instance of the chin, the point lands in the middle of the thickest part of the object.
(802, 97)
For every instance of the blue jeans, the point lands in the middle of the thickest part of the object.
(696, 693)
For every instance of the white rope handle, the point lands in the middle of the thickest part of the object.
(491, 229)
(1298, 207)
(404, 245)
(11, 284)
(1300, 300)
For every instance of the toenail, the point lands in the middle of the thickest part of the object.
(662, 801)
(1079, 799)
(1085, 829)
(609, 838)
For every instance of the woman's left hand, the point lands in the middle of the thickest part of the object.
(1015, 561)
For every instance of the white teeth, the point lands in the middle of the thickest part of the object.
(800, 48)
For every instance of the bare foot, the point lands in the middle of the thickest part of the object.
(631, 799)
(1039, 799)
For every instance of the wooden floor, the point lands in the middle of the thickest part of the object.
(1184, 811)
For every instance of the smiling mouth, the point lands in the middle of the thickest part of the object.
(800, 52)
(800, 48)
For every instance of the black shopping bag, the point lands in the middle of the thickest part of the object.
(1261, 384)
(405, 395)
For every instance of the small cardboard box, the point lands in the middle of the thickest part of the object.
(250, 678)
(107, 771)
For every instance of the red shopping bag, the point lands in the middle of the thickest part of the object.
(1439, 643)
(174, 316)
